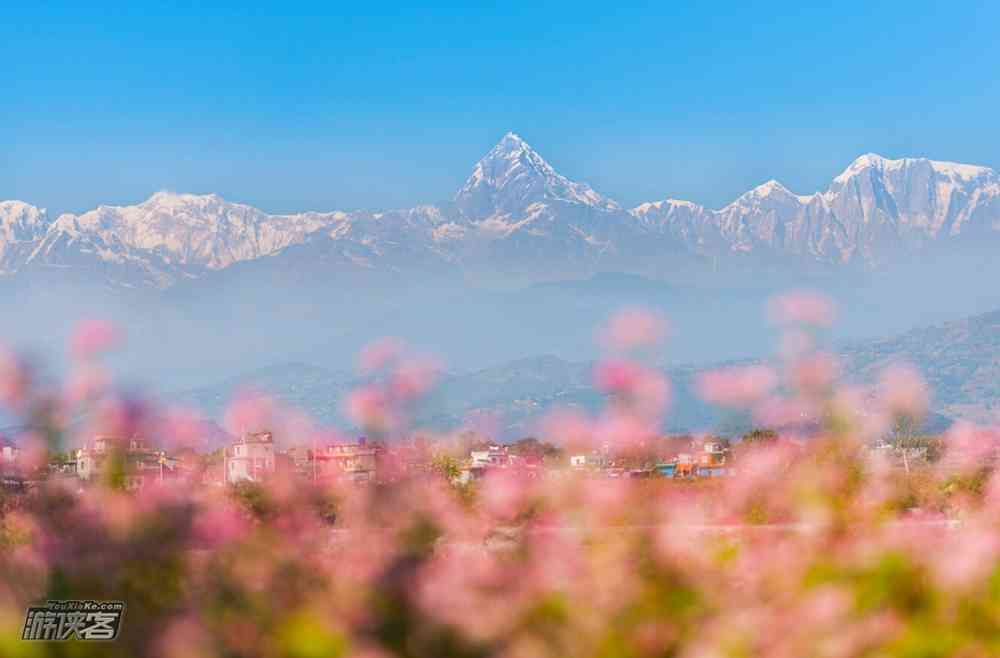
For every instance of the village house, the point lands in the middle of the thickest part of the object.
(8, 452)
(713, 459)
(140, 464)
(354, 461)
(708, 458)
(495, 456)
(590, 460)
(250, 458)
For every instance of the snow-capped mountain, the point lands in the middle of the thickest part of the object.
(513, 177)
(165, 238)
(516, 214)
(21, 227)
(875, 207)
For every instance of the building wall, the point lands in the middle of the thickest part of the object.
(250, 461)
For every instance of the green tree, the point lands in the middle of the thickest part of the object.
(446, 466)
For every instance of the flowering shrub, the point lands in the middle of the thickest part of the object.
(816, 546)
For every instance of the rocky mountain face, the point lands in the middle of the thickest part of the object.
(517, 216)
(22, 226)
(873, 209)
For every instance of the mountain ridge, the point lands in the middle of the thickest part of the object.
(516, 214)
(960, 360)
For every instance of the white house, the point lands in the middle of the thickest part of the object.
(251, 458)
(493, 456)
(8, 451)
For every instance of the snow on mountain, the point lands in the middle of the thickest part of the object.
(874, 208)
(516, 214)
(21, 227)
(170, 236)
(194, 230)
(513, 176)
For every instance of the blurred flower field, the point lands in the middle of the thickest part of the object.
(816, 546)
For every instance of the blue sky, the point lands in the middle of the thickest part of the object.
(298, 106)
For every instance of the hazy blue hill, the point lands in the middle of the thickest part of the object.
(961, 361)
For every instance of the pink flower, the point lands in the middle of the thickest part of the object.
(250, 411)
(86, 385)
(413, 378)
(625, 431)
(813, 374)
(616, 376)
(903, 393)
(848, 408)
(503, 492)
(802, 307)
(369, 407)
(380, 354)
(92, 337)
(569, 429)
(786, 412)
(968, 447)
(650, 395)
(736, 387)
(184, 428)
(633, 328)
(15, 379)
(969, 559)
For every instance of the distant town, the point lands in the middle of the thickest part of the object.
(253, 457)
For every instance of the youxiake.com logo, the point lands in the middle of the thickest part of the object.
(68, 620)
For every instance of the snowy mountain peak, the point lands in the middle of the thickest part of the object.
(18, 212)
(516, 212)
(772, 190)
(512, 141)
(513, 176)
(166, 198)
(770, 187)
(960, 173)
(21, 226)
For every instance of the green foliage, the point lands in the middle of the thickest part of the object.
(255, 499)
(533, 447)
(759, 436)
(446, 466)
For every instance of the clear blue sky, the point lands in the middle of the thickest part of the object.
(321, 105)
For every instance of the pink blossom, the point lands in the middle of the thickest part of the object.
(633, 328)
(15, 379)
(813, 374)
(736, 387)
(570, 429)
(802, 307)
(783, 412)
(616, 376)
(369, 407)
(651, 396)
(92, 337)
(503, 492)
(969, 559)
(86, 384)
(849, 407)
(380, 354)
(903, 392)
(413, 378)
(184, 428)
(967, 447)
(625, 431)
(250, 411)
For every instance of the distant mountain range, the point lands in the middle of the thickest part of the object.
(515, 217)
(960, 360)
